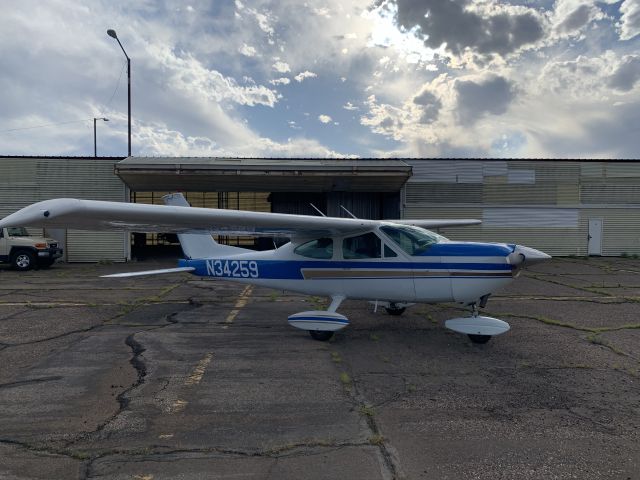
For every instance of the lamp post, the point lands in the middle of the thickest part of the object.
(95, 147)
(112, 34)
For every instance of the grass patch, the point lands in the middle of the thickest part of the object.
(80, 455)
(345, 379)
(366, 410)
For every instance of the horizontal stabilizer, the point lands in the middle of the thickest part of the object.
(149, 272)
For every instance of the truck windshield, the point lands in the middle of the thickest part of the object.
(17, 232)
(412, 240)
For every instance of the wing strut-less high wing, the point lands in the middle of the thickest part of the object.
(395, 263)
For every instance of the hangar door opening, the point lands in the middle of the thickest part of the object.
(370, 205)
(146, 245)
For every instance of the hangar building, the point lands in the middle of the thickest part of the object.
(563, 207)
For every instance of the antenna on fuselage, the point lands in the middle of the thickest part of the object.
(352, 215)
(317, 209)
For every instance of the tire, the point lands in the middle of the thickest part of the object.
(479, 339)
(320, 335)
(395, 311)
(23, 260)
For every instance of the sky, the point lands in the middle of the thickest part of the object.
(325, 78)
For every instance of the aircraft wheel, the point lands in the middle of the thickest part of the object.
(320, 335)
(480, 339)
(395, 311)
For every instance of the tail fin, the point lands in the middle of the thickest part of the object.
(198, 245)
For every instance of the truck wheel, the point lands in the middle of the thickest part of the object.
(23, 260)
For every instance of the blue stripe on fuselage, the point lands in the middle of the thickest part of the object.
(292, 269)
(462, 249)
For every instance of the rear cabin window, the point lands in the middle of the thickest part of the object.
(362, 246)
(412, 240)
(322, 248)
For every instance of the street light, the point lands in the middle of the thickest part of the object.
(95, 148)
(112, 34)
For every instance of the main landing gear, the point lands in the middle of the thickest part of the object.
(478, 328)
(321, 324)
(395, 309)
(321, 335)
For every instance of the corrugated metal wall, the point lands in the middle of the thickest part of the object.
(27, 180)
(539, 203)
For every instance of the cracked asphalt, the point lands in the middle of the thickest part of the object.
(178, 377)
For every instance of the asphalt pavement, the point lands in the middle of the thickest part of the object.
(179, 377)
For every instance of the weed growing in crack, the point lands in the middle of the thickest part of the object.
(375, 337)
(595, 339)
(366, 410)
(79, 455)
(335, 357)
(376, 440)
(345, 379)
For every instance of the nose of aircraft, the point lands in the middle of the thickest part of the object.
(524, 256)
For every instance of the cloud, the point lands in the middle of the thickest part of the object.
(264, 19)
(247, 50)
(483, 27)
(281, 67)
(491, 94)
(385, 119)
(190, 75)
(324, 118)
(429, 104)
(630, 20)
(516, 77)
(302, 75)
(570, 16)
(280, 81)
(626, 74)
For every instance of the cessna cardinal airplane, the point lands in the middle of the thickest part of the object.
(394, 263)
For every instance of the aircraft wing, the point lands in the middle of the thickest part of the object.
(437, 223)
(100, 215)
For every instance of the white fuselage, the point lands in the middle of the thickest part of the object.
(403, 278)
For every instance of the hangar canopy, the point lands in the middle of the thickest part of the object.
(262, 174)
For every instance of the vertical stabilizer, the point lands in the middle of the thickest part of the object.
(196, 245)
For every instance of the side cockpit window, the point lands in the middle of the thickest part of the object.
(362, 246)
(322, 248)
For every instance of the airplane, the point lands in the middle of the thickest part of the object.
(392, 263)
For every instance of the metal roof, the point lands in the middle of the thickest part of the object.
(263, 174)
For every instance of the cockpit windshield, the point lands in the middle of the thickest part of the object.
(412, 240)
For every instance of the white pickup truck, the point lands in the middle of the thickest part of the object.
(24, 252)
